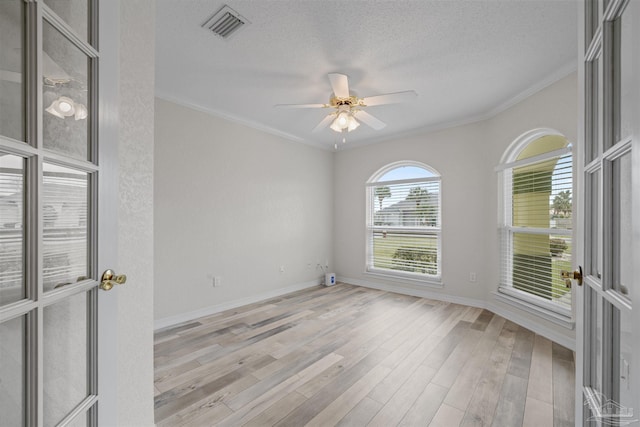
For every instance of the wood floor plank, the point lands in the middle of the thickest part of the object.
(520, 363)
(353, 356)
(175, 400)
(537, 413)
(340, 407)
(463, 351)
(482, 321)
(409, 357)
(447, 416)
(397, 407)
(359, 346)
(312, 407)
(563, 386)
(540, 385)
(205, 372)
(461, 391)
(200, 409)
(277, 411)
(261, 403)
(511, 403)
(161, 335)
(207, 417)
(361, 414)
(485, 397)
(295, 369)
(425, 407)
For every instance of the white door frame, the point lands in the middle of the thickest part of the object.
(108, 89)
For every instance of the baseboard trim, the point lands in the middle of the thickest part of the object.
(207, 311)
(548, 333)
(405, 290)
(508, 314)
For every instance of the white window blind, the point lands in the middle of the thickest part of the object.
(404, 224)
(536, 234)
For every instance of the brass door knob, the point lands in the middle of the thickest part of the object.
(569, 275)
(110, 278)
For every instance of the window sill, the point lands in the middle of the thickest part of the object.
(510, 297)
(432, 281)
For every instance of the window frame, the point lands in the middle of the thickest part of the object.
(505, 291)
(370, 228)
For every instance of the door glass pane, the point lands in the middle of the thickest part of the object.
(65, 95)
(623, 235)
(12, 287)
(592, 239)
(628, 42)
(11, 69)
(65, 244)
(592, 123)
(596, 380)
(65, 357)
(73, 12)
(627, 387)
(12, 372)
(593, 339)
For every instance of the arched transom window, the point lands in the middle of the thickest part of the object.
(403, 221)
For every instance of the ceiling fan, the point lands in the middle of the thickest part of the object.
(348, 108)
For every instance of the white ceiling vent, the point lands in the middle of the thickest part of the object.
(225, 22)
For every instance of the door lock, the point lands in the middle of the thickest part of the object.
(569, 275)
(110, 278)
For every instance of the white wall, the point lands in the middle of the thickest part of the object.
(135, 213)
(465, 156)
(236, 203)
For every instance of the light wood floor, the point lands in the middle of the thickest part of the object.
(353, 356)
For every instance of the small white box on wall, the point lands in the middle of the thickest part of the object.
(330, 279)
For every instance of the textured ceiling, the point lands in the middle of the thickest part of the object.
(465, 59)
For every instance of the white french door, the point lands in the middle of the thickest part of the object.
(53, 212)
(608, 381)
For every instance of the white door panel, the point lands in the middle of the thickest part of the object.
(56, 213)
(608, 350)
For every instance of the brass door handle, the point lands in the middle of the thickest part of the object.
(110, 278)
(575, 275)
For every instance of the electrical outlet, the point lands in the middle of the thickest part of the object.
(473, 277)
(282, 269)
(217, 281)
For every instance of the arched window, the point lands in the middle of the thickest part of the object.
(537, 220)
(403, 221)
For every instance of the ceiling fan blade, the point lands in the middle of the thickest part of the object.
(369, 119)
(324, 123)
(339, 84)
(389, 98)
(301, 105)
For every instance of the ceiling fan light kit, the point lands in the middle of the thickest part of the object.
(344, 120)
(348, 106)
(66, 107)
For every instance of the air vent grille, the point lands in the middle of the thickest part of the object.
(225, 22)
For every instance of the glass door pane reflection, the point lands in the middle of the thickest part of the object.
(626, 33)
(12, 286)
(73, 12)
(12, 372)
(65, 357)
(622, 214)
(627, 387)
(65, 245)
(12, 114)
(65, 88)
